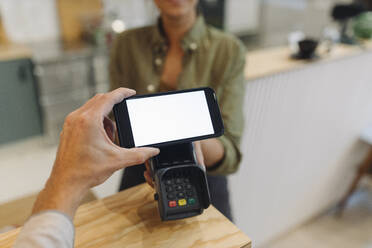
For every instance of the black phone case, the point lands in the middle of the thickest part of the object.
(127, 140)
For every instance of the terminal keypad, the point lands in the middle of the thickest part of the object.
(180, 192)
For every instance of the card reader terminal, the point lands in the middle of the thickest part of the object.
(180, 182)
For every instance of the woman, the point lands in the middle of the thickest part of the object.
(181, 52)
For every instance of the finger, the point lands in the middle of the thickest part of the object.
(148, 178)
(135, 156)
(147, 164)
(107, 102)
(100, 106)
(109, 128)
(116, 142)
(114, 125)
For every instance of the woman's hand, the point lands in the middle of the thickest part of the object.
(199, 157)
(213, 151)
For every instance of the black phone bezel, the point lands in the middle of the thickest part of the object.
(124, 128)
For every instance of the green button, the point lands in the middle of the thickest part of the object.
(191, 201)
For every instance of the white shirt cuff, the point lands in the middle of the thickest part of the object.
(47, 229)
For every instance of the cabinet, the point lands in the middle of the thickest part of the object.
(101, 73)
(65, 84)
(19, 109)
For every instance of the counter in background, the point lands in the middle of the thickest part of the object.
(301, 140)
(274, 60)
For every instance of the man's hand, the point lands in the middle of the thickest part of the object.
(86, 154)
(199, 157)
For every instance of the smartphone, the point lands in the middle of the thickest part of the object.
(168, 118)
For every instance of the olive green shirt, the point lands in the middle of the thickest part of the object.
(211, 58)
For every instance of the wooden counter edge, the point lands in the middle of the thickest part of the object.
(274, 60)
(10, 52)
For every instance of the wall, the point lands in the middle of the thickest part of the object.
(30, 20)
(134, 13)
(23, 25)
(301, 144)
(242, 16)
(280, 17)
(37, 20)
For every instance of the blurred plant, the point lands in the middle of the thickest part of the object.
(362, 25)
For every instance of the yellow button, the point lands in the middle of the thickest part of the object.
(182, 202)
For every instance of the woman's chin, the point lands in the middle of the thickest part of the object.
(176, 13)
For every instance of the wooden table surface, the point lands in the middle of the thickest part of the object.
(131, 219)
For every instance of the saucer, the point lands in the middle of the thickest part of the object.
(299, 56)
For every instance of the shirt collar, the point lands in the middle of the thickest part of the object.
(191, 40)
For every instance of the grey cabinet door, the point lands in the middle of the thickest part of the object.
(19, 109)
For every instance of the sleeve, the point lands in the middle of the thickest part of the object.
(50, 229)
(231, 106)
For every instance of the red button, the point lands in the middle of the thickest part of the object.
(172, 204)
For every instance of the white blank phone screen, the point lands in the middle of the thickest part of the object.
(169, 117)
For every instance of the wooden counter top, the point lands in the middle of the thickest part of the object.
(270, 61)
(13, 51)
(131, 219)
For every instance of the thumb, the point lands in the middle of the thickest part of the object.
(135, 156)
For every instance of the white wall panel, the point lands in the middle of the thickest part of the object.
(242, 16)
(300, 143)
(30, 20)
(134, 13)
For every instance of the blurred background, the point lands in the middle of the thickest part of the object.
(305, 176)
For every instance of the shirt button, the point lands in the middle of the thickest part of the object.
(150, 88)
(158, 61)
(193, 46)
